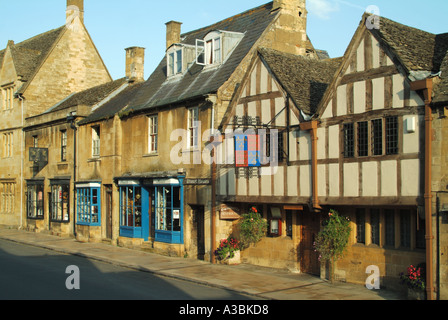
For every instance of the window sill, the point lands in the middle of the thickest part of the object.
(94, 159)
(149, 155)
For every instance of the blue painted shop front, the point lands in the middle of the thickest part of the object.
(152, 208)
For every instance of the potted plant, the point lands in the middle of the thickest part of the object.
(332, 240)
(414, 279)
(229, 251)
(252, 228)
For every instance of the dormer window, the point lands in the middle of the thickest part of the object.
(175, 60)
(216, 47)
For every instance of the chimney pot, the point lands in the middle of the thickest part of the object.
(173, 31)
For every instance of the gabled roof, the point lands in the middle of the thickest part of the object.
(29, 54)
(89, 97)
(304, 79)
(114, 105)
(441, 88)
(417, 50)
(197, 82)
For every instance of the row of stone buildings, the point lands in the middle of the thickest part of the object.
(156, 164)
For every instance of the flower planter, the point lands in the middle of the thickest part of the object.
(416, 294)
(235, 260)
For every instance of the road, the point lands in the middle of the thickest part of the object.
(30, 273)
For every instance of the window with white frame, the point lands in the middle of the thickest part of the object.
(193, 128)
(209, 50)
(175, 61)
(153, 134)
(60, 199)
(96, 138)
(64, 145)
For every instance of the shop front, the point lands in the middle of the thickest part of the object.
(152, 209)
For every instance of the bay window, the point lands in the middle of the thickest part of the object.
(88, 205)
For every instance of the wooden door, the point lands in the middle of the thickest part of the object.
(309, 259)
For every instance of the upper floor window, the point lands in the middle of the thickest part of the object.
(175, 61)
(193, 127)
(153, 134)
(64, 145)
(8, 144)
(96, 135)
(375, 138)
(7, 97)
(216, 47)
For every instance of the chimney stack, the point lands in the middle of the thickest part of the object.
(173, 29)
(75, 8)
(135, 64)
(293, 6)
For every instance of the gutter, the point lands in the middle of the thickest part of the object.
(426, 87)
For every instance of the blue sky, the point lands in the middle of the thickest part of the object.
(116, 24)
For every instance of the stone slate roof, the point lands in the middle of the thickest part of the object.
(417, 50)
(441, 89)
(89, 97)
(114, 106)
(197, 82)
(29, 54)
(305, 79)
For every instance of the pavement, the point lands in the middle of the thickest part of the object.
(254, 281)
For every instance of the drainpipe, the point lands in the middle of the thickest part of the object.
(71, 118)
(426, 86)
(312, 127)
(22, 146)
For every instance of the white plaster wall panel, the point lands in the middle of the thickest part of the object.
(333, 182)
(360, 65)
(351, 180)
(242, 186)
(252, 109)
(342, 100)
(253, 82)
(410, 178)
(266, 183)
(293, 145)
(322, 180)
(370, 179)
(253, 187)
(264, 79)
(375, 53)
(333, 143)
(359, 99)
(398, 83)
(328, 113)
(321, 143)
(266, 111)
(305, 181)
(304, 145)
(279, 106)
(292, 176)
(411, 139)
(279, 184)
(378, 94)
(389, 178)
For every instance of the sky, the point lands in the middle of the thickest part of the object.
(116, 24)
